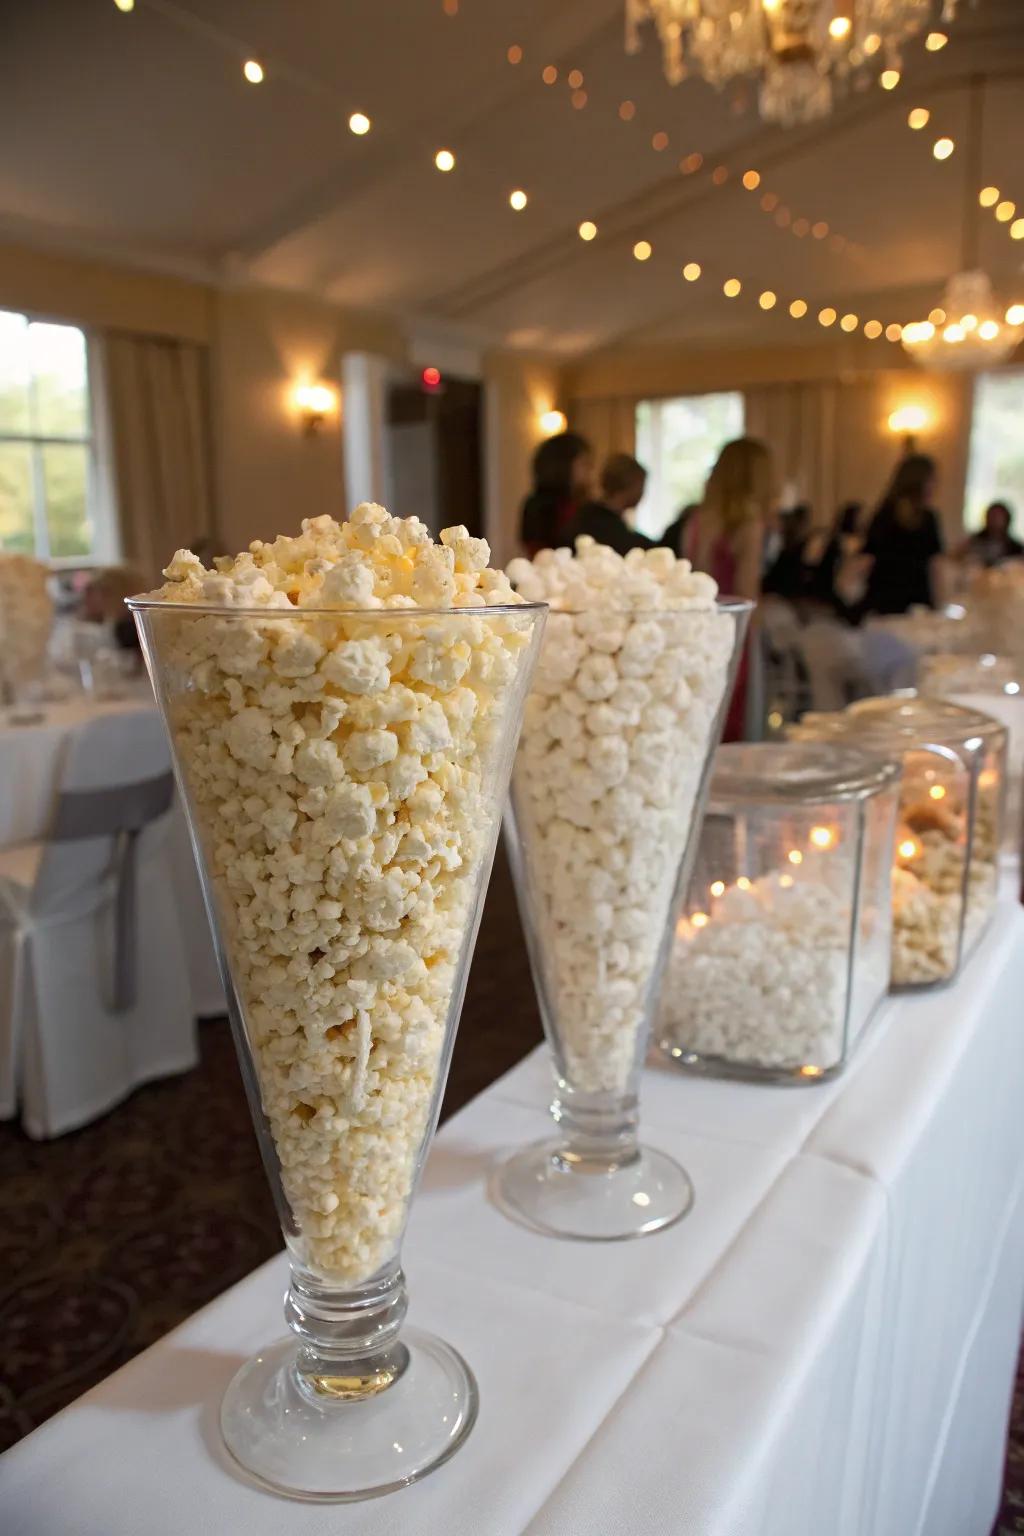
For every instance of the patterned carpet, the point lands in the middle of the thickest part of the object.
(111, 1236)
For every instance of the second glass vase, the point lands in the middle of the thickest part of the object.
(607, 791)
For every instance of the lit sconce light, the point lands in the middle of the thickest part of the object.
(359, 124)
(889, 79)
(907, 421)
(517, 200)
(444, 160)
(919, 117)
(552, 422)
(430, 378)
(943, 148)
(315, 403)
(252, 69)
(587, 230)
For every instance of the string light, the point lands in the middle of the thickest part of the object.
(751, 180)
(839, 27)
(798, 309)
(642, 250)
(587, 230)
(849, 323)
(988, 330)
(919, 118)
(795, 856)
(770, 201)
(1015, 314)
(444, 160)
(889, 79)
(822, 837)
(359, 124)
(717, 887)
(691, 271)
(627, 111)
(575, 79)
(731, 287)
(125, 5)
(801, 227)
(720, 175)
(691, 164)
(935, 40)
(943, 148)
(768, 299)
(517, 200)
(819, 230)
(872, 329)
(252, 69)
(872, 43)
(827, 316)
(937, 316)
(988, 197)
(893, 332)
(743, 883)
(659, 141)
(515, 54)
(1017, 229)
(579, 99)
(968, 322)
(1005, 211)
(549, 74)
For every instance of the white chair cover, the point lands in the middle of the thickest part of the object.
(97, 977)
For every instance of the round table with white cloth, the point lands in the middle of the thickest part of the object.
(33, 742)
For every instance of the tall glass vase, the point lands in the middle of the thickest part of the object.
(607, 794)
(343, 774)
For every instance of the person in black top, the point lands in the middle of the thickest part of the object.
(563, 473)
(992, 544)
(622, 486)
(904, 541)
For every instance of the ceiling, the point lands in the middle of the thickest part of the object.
(136, 137)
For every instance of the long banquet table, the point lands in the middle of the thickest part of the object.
(825, 1346)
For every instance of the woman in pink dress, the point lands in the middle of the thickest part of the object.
(726, 537)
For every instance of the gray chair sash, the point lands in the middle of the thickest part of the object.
(120, 812)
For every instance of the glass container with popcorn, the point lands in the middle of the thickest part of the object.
(343, 708)
(781, 954)
(952, 798)
(626, 709)
(992, 685)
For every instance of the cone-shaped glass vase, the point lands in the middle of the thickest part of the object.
(344, 773)
(607, 794)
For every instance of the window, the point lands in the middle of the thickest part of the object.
(47, 473)
(995, 468)
(678, 441)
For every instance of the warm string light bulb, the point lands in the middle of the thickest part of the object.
(444, 160)
(1005, 211)
(943, 148)
(849, 323)
(988, 330)
(751, 180)
(642, 250)
(691, 271)
(872, 328)
(717, 887)
(252, 69)
(935, 40)
(822, 837)
(889, 79)
(587, 230)
(517, 200)
(125, 5)
(919, 118)
(1017, 229)
(731, 287)
(798, 309)
(1015, 314)
(827, 316)
(359, 123)
(768, 300)
(839, 27)
(988, 197)
(795, 856)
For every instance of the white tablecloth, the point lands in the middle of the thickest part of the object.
(31, 761)
(824, 1347)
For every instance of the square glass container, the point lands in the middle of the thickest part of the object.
(992, 685)
(951, 813)
(781, 953)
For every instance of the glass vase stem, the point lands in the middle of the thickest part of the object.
(349, 1345)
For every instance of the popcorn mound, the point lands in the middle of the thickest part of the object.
(26, 616)
(616, 733)
(341, 766)
(763, 983)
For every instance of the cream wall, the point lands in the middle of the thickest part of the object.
(865, 449)
(268, 474)
(518, 388)
(98, 294)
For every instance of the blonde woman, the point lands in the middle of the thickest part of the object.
(726, 538)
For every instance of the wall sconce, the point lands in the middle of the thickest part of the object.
(315, 402)
(908, 421)
(552, 422)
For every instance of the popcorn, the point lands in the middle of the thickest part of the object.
(604, 796)
(26, 617)
(340, 763)
(763, 983)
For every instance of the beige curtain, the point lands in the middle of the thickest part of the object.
(158, 425)
(608, 425)
(798, 422)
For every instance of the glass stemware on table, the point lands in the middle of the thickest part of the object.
(625, 714)
(344, 872)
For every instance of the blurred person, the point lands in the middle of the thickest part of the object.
(789, 574)
(993, 543)
(904, 541)
(622, 486)
(563, 473)
(674, 537)
(726, 539)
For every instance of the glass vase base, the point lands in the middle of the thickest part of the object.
(543, 1188)
(340, 1452)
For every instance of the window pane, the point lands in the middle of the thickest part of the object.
(14, 373)
(17, 529)
(58, 368)
(996, 465)
(66, 478)
(678, 442)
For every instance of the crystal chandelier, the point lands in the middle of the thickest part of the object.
(798, 48)
(973, 333)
